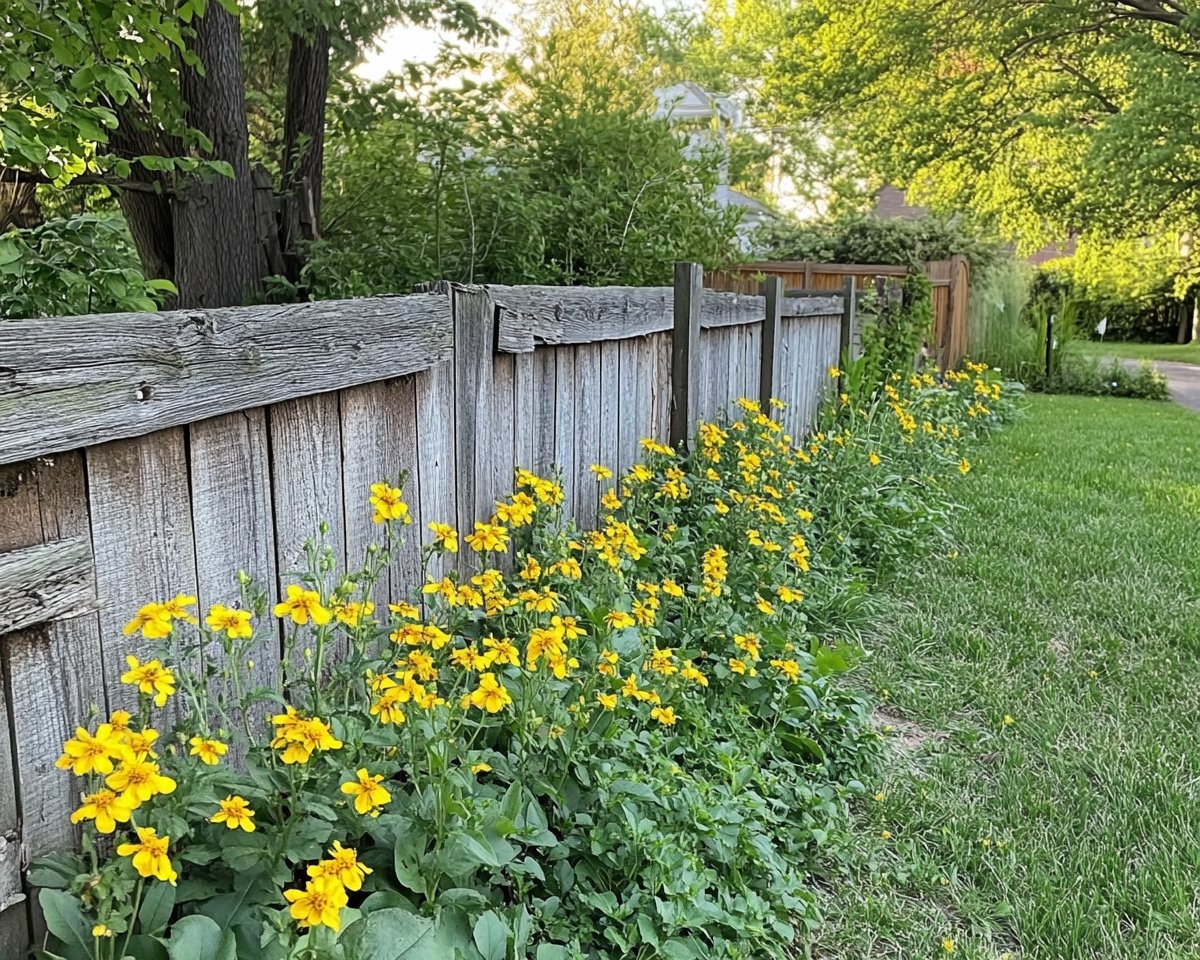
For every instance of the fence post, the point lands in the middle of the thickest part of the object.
(685, 351)
(474, 345)
(768, 371)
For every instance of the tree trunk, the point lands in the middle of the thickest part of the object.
(304, 142)
(217, 260)
(148, 215)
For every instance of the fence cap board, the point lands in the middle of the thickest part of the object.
(529, 315)
(67, 382)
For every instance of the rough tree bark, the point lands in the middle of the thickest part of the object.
(148, 214)
(304, 141)
(217, 261)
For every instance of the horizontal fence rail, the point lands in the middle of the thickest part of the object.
(146, 455)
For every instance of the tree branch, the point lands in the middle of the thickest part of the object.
(12, 175)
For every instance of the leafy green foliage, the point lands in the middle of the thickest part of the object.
(871, 239)
(71, 266)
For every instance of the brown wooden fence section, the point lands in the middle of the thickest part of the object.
(145, 455)
(950, 280)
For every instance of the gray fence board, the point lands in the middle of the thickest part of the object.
(70, 381)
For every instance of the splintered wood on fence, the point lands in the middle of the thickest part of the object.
(148, 455)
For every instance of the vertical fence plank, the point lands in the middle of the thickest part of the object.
(662, 387)
(733, 364)
(609, 415)
(15, 935)
(751, 358)
(564, 423)
(406, 562)
(685, 351)
(142, 540)
(544, 396)
(474, 329)
(524, 392)
(306, 455)
(232, 518)
(587, 431)
(627, 401)
(504, 428)
(771, 354)
(435, 453)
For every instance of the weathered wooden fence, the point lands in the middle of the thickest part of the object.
(145, 455)
(950, 279)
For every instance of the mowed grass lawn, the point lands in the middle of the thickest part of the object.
(1182, 353)
(1073, 608)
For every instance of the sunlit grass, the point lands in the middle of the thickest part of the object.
(1183, 353)
(1072, 607)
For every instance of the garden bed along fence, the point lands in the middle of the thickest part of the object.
(148, 455)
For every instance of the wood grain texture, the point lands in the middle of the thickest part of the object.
(70, 381)
(531, 315)
(474, 325)
(435, 454)
(371, 453)
(503, 427)
(685, 351)
(524, 434)
(48, 581)
(587, 433)
(233, 522)
(545, 375)
(15, 935)
(565, 424)
(57, 667)
(142, 540)
(608, 452)
(627, 414)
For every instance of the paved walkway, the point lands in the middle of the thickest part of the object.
(1183, 380)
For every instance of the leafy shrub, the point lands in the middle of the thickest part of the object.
(872, 239)
(893, 333)
(628, 741)
(74, 265)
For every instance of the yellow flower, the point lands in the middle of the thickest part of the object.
(788, 595)
(505, 651)
(602, 472)
(320, 902)
(671, 588)
(388, 504)
(664, 715)
(948, 944)
(299, 736)
(102, 930)
(488, 537)
(445, 536)
(964, 466)
(235, 812)
(138, 781)
(618, 620)
(789, 668)
(234, 623)
(105, 808)
(610, 501)
(490, 695)
(748, 643)
(84, 753)
(607, 700)
(873, 459)
(405, 610)
(177, 607)
(150, 678)
(351, 613)
(153, 620)
(210, 752)
(150, 855)
(764, 605)
(369, 796)
(834, 373)
(737, 666)
(478, 768)
(886, 834)
(301, 605)
(1009, 720)
(343, 866)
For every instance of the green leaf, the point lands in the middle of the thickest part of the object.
(551, 951)
(157, 905)
(66, 921)
(199, 938)
(491, 936)
(391, 934)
